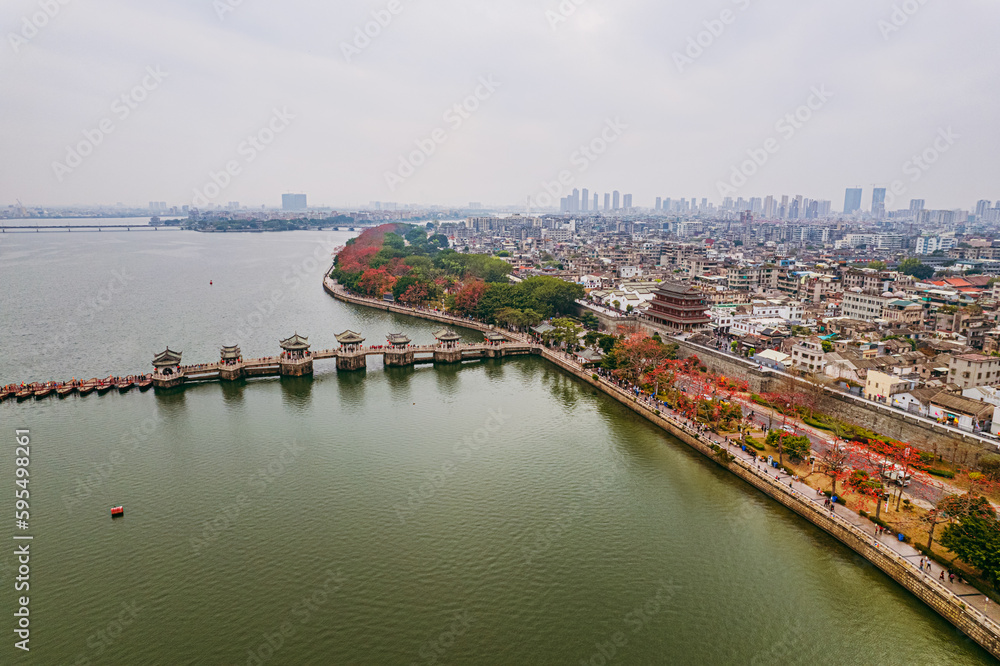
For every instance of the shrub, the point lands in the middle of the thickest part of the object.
(755, 444)
(596, 377)
(863, 513)
(943, 473)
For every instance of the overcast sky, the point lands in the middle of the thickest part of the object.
(558, 79)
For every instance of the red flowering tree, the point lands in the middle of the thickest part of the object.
(414, 294)
(376, 281)
(468, 297)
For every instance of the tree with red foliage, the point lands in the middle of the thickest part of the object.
(468, 297)
(414, 294)
(639, 354)
(376, 282)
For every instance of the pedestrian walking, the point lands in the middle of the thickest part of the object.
(941, 577)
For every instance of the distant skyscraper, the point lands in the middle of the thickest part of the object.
(852, 200)
(982, 208)
(783, 211)
(769, 206)
(878, 202)
(659, 203)
(916, 205)
(627, 204)
(595, 202)
(585, 200)
(293, 202)
(616, 197)
(574, 201)
(607, 201)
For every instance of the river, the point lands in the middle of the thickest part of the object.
(495, 512)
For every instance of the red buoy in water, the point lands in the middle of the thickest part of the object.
(209, 283)
(117, 511)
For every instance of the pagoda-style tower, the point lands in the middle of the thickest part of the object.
(447, 350)
(398, 352)
(351, 355)
(295, 359)
(167, 372)
(231, 363)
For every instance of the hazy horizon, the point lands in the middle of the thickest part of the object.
(162, 97)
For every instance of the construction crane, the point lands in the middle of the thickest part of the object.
(20, 205)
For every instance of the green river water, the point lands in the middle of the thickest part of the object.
(487, 513)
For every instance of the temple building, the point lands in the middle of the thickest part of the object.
(679, 307)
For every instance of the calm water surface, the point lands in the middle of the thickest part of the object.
(487, 513)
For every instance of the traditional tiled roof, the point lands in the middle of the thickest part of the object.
(349, 337)
(167, 358)
(295, 343)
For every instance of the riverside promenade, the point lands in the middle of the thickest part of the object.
(962, 605)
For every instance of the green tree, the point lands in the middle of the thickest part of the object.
(916, 268)
(590, 321)
(975, 538)
(990, 466)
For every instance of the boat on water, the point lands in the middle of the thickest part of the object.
(117, 511)
(144, 384)
(124, 385)
(104, 387)
(65, 390)
(4, 394)
(24, 394)
(86, 388)
(43, 391)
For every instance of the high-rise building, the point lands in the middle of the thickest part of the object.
(769, 206)
(983, 208)
(607, 201)
(659, 203)
(585, 200)
(783, 210)
(616, 203)
(595, 202)
(878, 202)
(627, 203)
(916, 205)
(293, 202)
(852, 200)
